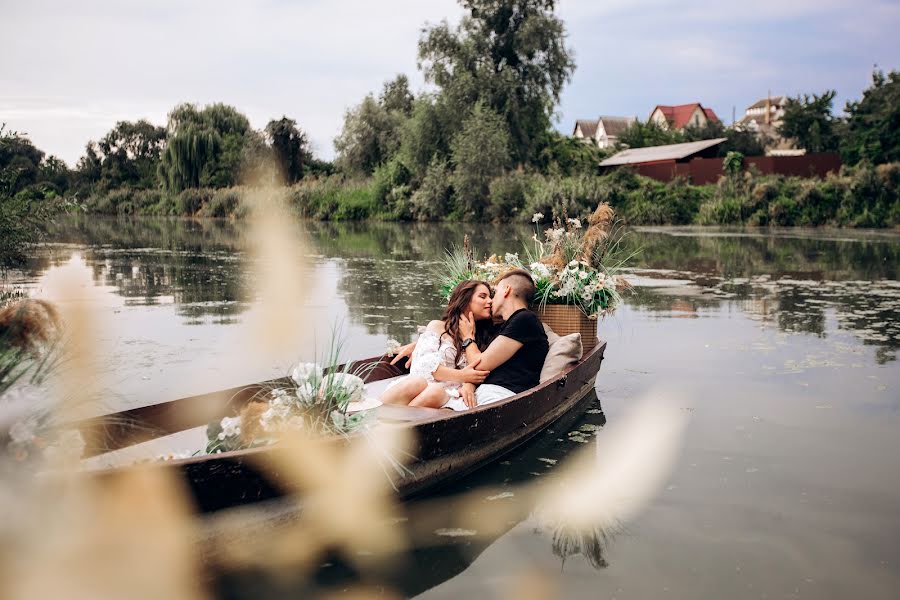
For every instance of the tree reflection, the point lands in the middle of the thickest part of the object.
(386, 271)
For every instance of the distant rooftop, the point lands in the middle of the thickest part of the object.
(588, 128)
(659, 153)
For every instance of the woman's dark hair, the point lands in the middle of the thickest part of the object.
(458, 304)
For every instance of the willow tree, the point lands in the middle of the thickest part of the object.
(205, 147)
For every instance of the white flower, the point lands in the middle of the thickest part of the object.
(555, 235)
(22, 431)
(303, 372)
(350, 384)
(536, 217)
(540, 270)
(574, 223)
(573, 264)
(305, 392)
(392, 346)
(231, 426)
(511, 258)
(583, 274)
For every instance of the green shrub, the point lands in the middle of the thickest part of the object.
(355, 204)
(391, 189)
(191, 200)
(506, 196)
(222, 204)
(432, 200)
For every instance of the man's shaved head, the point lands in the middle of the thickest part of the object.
(521, 284)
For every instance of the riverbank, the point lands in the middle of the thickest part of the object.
(862, 196)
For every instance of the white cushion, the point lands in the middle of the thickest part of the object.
(564, 351)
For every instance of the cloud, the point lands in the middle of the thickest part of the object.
(70, 70)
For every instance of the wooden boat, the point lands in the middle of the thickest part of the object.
(449, 444)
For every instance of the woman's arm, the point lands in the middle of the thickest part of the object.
(468, 375)
(498, 352)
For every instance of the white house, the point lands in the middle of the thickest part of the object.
(604, 132)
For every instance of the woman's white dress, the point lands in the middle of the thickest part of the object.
(433, 350)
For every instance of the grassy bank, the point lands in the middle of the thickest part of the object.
(862, 196)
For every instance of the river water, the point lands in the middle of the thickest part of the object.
(782, 346)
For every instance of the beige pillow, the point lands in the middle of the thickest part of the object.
(564, 352)
(551, 335)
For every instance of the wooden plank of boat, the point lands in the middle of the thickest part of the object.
(449, 444)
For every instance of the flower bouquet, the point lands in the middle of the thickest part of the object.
(313, 399)
(571, 265)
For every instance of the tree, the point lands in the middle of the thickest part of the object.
(128, 156)
(480, 153)
(290, 148)
(24, 207)
(19, 162)
(395, 95)
(569, 156)
(370, 137)
(206, 147)
(809, 121)
(509, 55)
(425, 135)
(873, 127)
(643, 135)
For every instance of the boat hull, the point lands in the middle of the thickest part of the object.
(448, 445)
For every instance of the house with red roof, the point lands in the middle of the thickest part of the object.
(682, 115)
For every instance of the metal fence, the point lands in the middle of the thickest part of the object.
(708, 170)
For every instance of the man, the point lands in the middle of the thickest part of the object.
(515, 357)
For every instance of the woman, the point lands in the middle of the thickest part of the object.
(439, 361)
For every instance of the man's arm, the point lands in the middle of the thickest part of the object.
(500, 351)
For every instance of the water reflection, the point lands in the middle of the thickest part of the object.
(384, 272)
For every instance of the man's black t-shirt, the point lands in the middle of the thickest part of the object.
(523, 369)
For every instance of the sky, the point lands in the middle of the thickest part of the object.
(70, 70)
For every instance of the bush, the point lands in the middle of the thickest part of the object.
(191, 200)
(506, 196)
(432, 200)
(222, 204)
(391, 189)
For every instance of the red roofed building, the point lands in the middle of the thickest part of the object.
(683, 115)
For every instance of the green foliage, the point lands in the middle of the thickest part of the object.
(567, 156)
(371, 132)
(128, 155)
(391, 189)
(396, 97)
(205, 147)
(642, 135)
(290, 148)
(20, 162)
(873, 127)
(733, 164)
(191, 200)
(509, 55)
(564, 196)
(29, 196)
(334, 198)
(480, 152)
(425, 136)
(808, 120)
(507, 196)
(431, 201)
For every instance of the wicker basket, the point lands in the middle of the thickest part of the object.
(565, 319)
